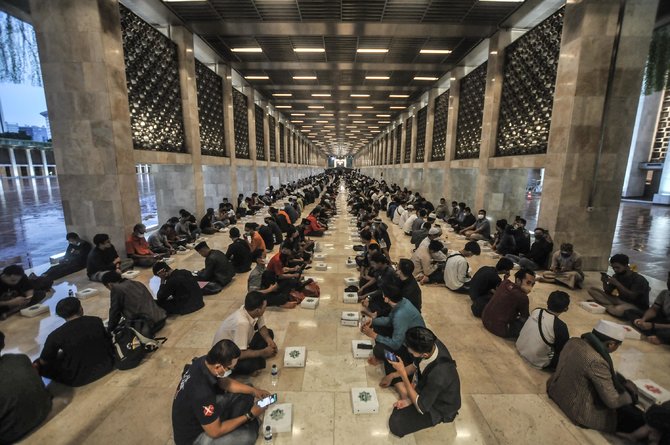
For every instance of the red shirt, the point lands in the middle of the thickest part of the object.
(508, 303)
(276, 265)
(257, 242)
(137, 246)
(314, 225)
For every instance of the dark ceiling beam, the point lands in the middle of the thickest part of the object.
(342, 66)
(339, 29)
(262, 85)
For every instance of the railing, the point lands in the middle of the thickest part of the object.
(20, 143)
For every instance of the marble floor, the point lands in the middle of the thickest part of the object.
(504, 399)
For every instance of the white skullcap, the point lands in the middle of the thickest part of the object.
(435, 231)
(612, 330)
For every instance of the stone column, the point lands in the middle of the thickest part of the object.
(81, 55)
(45, 164)
(31, 167)
(582, 183)
(663, 195)
(229, 128)
(266, 140)
(430, 122)
(485, 196)
(452, 127)
(12, 160)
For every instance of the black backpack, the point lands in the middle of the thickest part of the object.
(132, 340)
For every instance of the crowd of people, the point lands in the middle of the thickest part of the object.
(212, 405)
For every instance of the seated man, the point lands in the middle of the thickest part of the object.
(179, 292)
(409, 288)
(288, 276)
(433, 263)
(566, 268)
(254, 280)
(267, 233)
(409, 212)
(480, 229)
(239, 252)
(544, 335)
(507, 311)
(418, 222)
(442, 210)
(370, 294)
(434, 395)
(314, 228)
(138, 249)
(132, 300)
(485, 282)
(278, 236)
(74, 259)
(246, 328)
(218, 268)
(208, 223)
(457, 214)
(413, 215)
(17, 291)
(159, 243)
(585, 385)
(521, 237)
(253, 237)
(625, 295)
(210, 408)
(397, 214)
(655, 323)
(456, 268)
(78, 352)
(540, 250)
(25, 400)
(104, 258)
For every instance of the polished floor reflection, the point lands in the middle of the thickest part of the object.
(504, 400)
(32, 226)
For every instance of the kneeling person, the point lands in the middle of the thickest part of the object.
(179, 292)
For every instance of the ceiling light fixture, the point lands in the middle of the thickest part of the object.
(282, 94)
(320, 94)
(364, 107)
(383, 115)
(426, 78)
(397, 108)
(256, 77)
(398, 96)
(304, 77)
(384, 122)
(377, 77)
(359, 95)
(355, 115)
(321, 122)
(283, 106)
(326, 114)
(297, 114)
(309, 50)
(247, 50)
(372, 50)
(297, 122)
(359, 122)
(435, 51)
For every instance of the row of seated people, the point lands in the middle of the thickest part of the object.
(540, 337)
(81, 350)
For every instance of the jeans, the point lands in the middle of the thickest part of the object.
(63, 269)
(523, 262)
(235, 406)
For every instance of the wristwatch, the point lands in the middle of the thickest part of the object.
(250, 416)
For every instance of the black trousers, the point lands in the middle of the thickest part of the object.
(408, 420)
(62, 270)
(251, 365)
(479, 304)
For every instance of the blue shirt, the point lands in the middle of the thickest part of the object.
(402, 317)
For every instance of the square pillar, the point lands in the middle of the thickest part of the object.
(229, 127)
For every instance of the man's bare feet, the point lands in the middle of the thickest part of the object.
(654, 340)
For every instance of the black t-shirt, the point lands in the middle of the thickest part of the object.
(78, 254)
(99, 260)
(484, 280)
(411, 290)
(194, 403)
(268, 236)
(8, 292)
(180, 294)
(239, 255)
(24, 401)
(79, 352)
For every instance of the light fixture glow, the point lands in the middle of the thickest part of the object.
(377, 77)
(355, 115)
(297, 114)
(320, 94)
(256, 77)
(397, 108)
(364, 107)
(384, 122)
(435, 51)
(282, 94)
(304, 77)
(321, 122)
(247, 50)
(359, 122)
(425, 78)
(398, 96)
(383, 115)
(283, 106)
(309, 50)
(372, 50)
(315, 107)
(326, 114)
(359, 95)
(297, 122)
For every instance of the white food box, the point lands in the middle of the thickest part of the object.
(320, 256)
(350, 318)
(361, 353)
(318, 247)
(129, 275)
(168, 260)
(460, 236)
(350, 297)
(593, 307)
(631, 333)
(351, 263)
(34, 310)
(309, 303)
(190, 246)
(280, 417)
(224, 230)
(86, 293)
(294, 357)
(652, 391)
(351, 281)
(364, 400)
(321, 267)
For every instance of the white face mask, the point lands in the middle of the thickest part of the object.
(480, 216)
(225, 374)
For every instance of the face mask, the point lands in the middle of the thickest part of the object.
(565, 254)
(225, 374)
(480, 216)
(538, 236)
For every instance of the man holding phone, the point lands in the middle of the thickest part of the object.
(625, 294)
(210, 408)
(433, 393)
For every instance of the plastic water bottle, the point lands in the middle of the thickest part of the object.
(70, 293)
(275, 377)
(267, 435)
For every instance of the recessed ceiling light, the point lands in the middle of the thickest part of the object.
(247, 50)
(399, 96)
(364, 107)
(373, 126)
(375, 131)
(297, 114)
(315, 107)
(309, 50)
(355, 115)
(425, 78)
(494, 52)
(321, 122)
(329, 126)
(282, 94)
(359, 95)
(282, 106)
(326, 114)
(383, 115)
(352, 126)
(256, 77)
(397, 108)
(377, 77)
(384, 122)
(359, 122)
(297, 122)
(304, 77)
(320, 94)
(372, 50)
(435, 51)
(307, 126)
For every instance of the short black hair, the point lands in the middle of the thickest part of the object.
(379, 257)
(406, 266)
(504, 264)
(253, 300)
(558, 301)
(68, 307)
(234, 232)
(136, 227)
(482, 211)
(420, 339)
(468, 209)
(251, 225)
(473, 247)
(392, 292)
(201, 245)
(620, 258)
(223, 353)
(100, 238)
(71, 235)
(111, 277)
(366, 235)
(435, 245)
(14, 269)
(521, 273)
(159, 266)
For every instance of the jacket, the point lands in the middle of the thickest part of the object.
(217, 268)
(402, 317)
(130, 299)
(439, 387)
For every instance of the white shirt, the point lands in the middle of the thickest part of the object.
(423, 260)
(456, 270)
(530, 344)
(397, 214)
(407, 227)
(238, 327)
(404, 217)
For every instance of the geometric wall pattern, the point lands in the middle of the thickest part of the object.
(398, 141)
(152, 80)
(241, 120)
(659, 149)
(259, 114)
(408, 141)
(282, 143)
(440, 127)
(470, 113)
(421, 134)
(273, 138)
(210, 110)
(529, 81)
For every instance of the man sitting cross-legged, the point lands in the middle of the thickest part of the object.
(655, 323)
(246, 328)
(457, 269)
(179, 292)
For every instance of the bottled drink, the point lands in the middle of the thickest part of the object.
(267, 435)
(70, 293)
(275, 375)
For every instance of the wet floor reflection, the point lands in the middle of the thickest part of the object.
(32, 225)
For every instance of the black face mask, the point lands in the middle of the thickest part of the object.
(565, 254)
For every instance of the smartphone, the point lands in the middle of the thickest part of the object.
(390, 356)
(604, 276)
(269, 400)
(363, 346)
